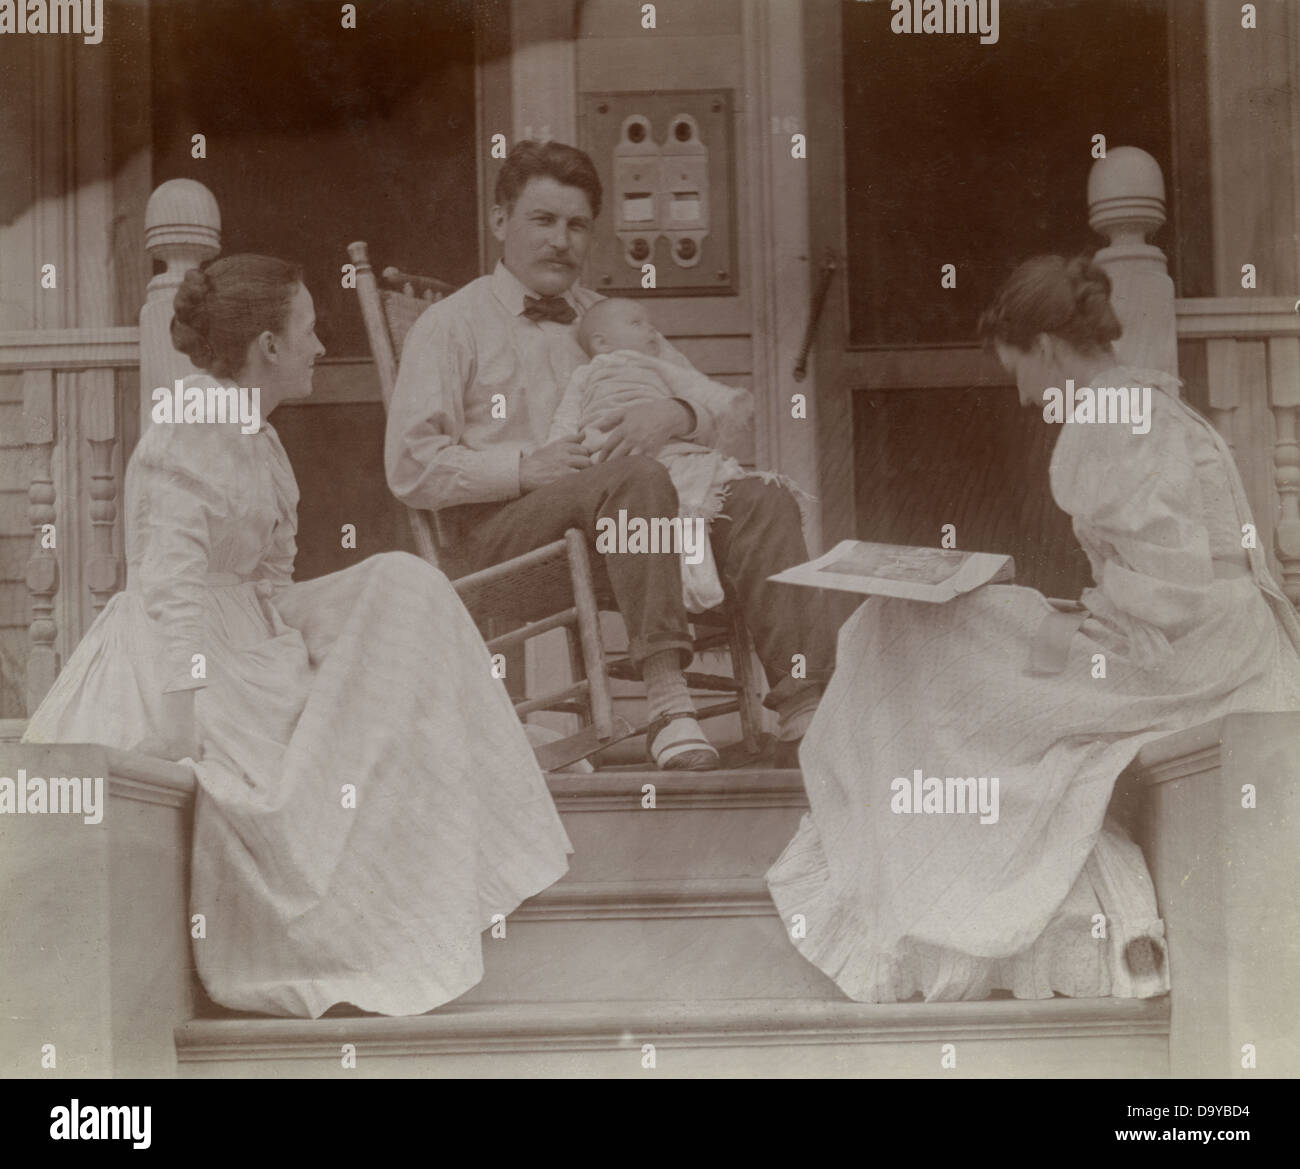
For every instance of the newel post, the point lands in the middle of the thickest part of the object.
(1126, 203)
(182, 227)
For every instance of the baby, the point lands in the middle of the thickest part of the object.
(631, 364)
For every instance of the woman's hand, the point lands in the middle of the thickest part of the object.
(180, 738)
(644, 429)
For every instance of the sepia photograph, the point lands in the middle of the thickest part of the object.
(707, 539)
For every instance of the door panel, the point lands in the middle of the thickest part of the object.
(935, 150)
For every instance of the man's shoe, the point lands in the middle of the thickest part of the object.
(676, 743)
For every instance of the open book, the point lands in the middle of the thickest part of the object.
(897, 570)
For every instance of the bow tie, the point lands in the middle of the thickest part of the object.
(549, 308)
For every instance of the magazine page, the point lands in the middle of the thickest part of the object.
(898, 570)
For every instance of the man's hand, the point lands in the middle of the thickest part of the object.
(644, 429)
(551, 462)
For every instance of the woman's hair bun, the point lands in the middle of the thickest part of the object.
(219, 308)
(1096, 317)
(1050, 294)
(190, 318)
(191, 296)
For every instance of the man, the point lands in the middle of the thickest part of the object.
(482, 373)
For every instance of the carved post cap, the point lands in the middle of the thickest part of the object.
(1126, 203)
(1126, 194)
(182, 227)
(182, 222)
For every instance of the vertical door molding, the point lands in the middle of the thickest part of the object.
(493, 109)
(830, 397)
(780, 260)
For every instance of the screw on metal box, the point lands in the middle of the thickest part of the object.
(682, 131)
(686, 248)
(640, 249)
(636, 132)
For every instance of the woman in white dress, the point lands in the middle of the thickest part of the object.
(367, 799)
(1184, 625)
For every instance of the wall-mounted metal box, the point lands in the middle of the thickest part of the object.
(667, 166)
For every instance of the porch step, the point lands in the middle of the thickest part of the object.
(1070, 1038)
(661, 904)
(703, 825)
(650, 941)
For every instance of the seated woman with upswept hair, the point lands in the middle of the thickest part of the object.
(1184, 616)
(367, 800)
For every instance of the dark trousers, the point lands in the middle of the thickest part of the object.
(758, 534)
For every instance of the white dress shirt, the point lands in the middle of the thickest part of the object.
(477, 388)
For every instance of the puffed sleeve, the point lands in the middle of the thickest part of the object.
(1135, 501)
(426, 463)
(185, 487)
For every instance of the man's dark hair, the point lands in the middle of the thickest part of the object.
(565, 164)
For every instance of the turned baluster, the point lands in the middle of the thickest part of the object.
(1284, 399)
(102, 567)
(39, 427)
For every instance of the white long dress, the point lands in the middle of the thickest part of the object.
(1191, 626)
(367, 798)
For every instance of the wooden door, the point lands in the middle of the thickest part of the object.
(315, 135)
(934, 150)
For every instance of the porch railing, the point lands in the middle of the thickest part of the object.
(71, 435)
(1247, 349)
(1251, 364)
(78, 432)
(1249, 353)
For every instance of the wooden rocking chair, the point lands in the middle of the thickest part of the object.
(550, 587)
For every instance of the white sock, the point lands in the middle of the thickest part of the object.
(665, 687)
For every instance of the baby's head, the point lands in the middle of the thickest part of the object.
(617, 324)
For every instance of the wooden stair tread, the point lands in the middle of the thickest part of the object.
(622, 787)
(521, 1025)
